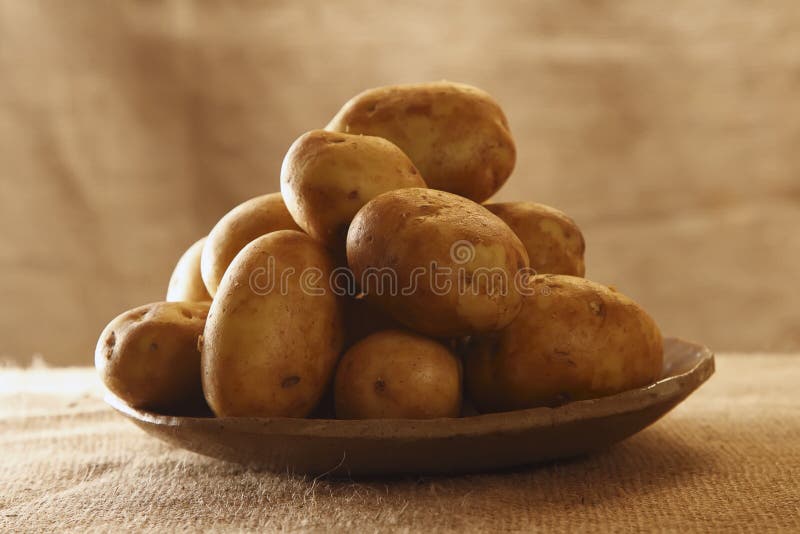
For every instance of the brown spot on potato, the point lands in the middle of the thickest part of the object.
(380, 386)
(352, 195)
(153, 346)
(186, 313)
(598, 308)
(290, 381)
(138, 315)
(111, 340)
(429, 209)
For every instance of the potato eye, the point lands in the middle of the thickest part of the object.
(290, 381)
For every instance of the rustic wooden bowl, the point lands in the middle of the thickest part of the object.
(463, 445)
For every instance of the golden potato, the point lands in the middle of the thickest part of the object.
(554, 242)
(456, 135)
(326, 177)
(186, 283)
(247, 221)
(397, 375)
(148, 356)
(574, 339)
(274, 331)
(436, 262)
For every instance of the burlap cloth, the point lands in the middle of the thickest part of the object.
(729, 457)
(668, 130)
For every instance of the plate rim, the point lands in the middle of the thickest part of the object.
(632, 400)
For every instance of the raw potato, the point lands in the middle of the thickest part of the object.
(454, 264)
(275, 330)
(148, 356)
(186, 283)
(247, 221)
(554, 242)
(398, 375)
(326, 177)
(456, 134)
(574, 339)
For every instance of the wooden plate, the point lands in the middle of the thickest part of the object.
(467, 444)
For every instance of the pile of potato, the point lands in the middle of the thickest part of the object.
(287, 308)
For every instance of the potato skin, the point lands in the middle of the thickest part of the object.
(408, 230)
(186, 283)
(327, 176)
(574, 339)
(247, 221)
(271, 351)
(148, 356)
(456, 134)
(554, 242)
(395, 374)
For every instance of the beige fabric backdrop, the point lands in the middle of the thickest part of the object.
(670, 131)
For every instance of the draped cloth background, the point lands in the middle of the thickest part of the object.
(669, 131)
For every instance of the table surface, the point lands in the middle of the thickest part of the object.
(727, 457)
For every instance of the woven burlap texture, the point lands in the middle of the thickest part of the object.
(729, 457)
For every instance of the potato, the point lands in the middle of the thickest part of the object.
(574, 339)
(247, 221)
(456, 135)
(554, 242)
(326, 177)
(186, 283)
(274, 332)
(148, 356)
(436, 262)
(397, 375)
